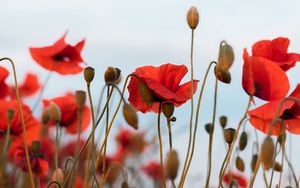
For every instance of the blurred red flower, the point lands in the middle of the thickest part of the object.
(262, 116)
(276, 51)
(263, 78)
(70, 148)
(28, 87)
(153, 170)
(131, 141)
(239, 179)
(69, 116)
(4, 88)
(60, 57)
(163, 82)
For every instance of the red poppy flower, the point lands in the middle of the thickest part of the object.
(153, 170)
(163, 82)
(60, 57)
(29, 86)
(3, 86)
(263, 78)
(38, 164)
(16, 125)
(68, 108)
(276, 51)
(131, 141)
(262, 116)
(239, 179)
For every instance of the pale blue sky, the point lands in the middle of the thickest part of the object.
(132, 33)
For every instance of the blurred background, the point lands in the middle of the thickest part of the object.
(133, 33)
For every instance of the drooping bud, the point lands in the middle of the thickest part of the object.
(89, 73)
(46, 116)
(168, 109)
(10, 113)
(124, 184)
(192, 17)
(80, 97)
(277, 167)
(223, 76)
(145, 93)
(54, 111)
(267, 152)
(254, 161)
(223, 121)
(58, 175)
(243, 141)
(281, 138)
(208, 127)
(239, 163)
(225, 61)
(229, 135)
(172, 164)
(130, 115)
(110, 75)
(35, 147)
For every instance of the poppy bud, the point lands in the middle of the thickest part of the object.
(130, 115)
(172, 164)
(124, 185)
(281, 138)
(229, 135)
(58, 175)
(254, 161)
(168, 109)
(80, 97)
(173, 119)
(110, 75)
(208, 127)
(118, 79)
(239, 163)
(10, 113)
(267, 152)
(223, 76)
(35, 147)
(54, 111)
(89, 73)
(277, 167)
(145, 94)
(223, 121)
(193, 17)
(226, 57)
(45, 116)
(243, 141)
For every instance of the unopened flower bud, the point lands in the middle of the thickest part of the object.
(89, 73)
(267, 152)
(208, 127)
(223, 76)
(225, 61)
(35, 147)
(192, 17)
(55, 113)
(229, 135)
(118, 75)
(172, 164)
(243, 141)
(168, 109)
(223, 121)
(130, 115)
(110, 75)
(10, 113)
(58, 175)
(239, 163)
(45, 116)
(80, 97)
(145, 93)
(277, 167)
(254, 161)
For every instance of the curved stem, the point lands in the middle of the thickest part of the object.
(56, 146)
(292, 169)
(273, 165)
(255, 171)
(106, 127)
(22, 121)
(160, 148)
(222, 167)
(41, 92)
(282, 162)
(170, 133)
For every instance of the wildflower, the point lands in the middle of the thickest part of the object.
(4, 88)
(239, 179)
(28, 87)
(153, 170)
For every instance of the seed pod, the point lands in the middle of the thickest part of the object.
(10, 113)
(45, 116)
(124, 185)
(277, 167)
(193, 17)
(89, 73)
(239, 163)
(243, 141)
(207, 127)
(35, 147)
(172, 164)
(130, 115)
(58, 175)
(267, 152)
(80, 97)
(254, 161)
(168, 109)
(229, 135)
(223, 121)
(145, 93)
(54, 111)
(110, 75)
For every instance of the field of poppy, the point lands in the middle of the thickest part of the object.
(55, 141)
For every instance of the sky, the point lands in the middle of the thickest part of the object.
(133, 33)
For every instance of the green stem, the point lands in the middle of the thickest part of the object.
(170, 133)
(160, 147)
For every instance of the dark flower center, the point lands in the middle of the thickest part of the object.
(61, 57)
(287, 115)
